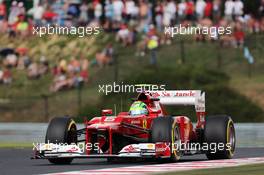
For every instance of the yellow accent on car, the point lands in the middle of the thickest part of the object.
(144, 124)
(173, 141)
(228, 136)
(150, 146)
(70, 125)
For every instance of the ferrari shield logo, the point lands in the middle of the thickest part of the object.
(144, 125)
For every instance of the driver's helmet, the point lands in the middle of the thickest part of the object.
(138, 108)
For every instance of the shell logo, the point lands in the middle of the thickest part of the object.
(150, 146)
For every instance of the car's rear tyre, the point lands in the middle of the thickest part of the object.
(166, 129)
(61, 130)
(220, 130)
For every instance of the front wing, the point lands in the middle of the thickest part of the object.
(141, 150)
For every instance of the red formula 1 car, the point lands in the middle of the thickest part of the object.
(145, 131)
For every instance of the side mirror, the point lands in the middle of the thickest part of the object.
(107, 112)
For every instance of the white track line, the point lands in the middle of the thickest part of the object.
(158, 168)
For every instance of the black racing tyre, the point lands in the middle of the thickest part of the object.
(166, 129)
(61, 130)
(220, 131)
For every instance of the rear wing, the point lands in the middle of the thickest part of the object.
(183, 97)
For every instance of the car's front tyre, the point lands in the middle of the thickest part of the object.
(61, 130)
(166, 129)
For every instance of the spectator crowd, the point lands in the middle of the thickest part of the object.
(66, 74)
(134, 22)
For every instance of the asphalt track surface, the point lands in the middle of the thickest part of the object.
(17, 161)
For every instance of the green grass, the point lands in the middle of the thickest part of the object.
(16, 145)
(256, 169)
